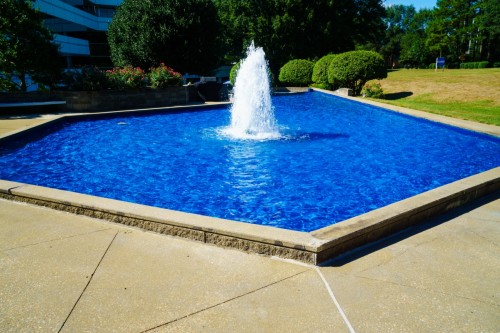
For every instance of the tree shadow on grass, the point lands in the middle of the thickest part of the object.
(398, 95)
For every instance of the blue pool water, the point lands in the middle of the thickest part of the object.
(337, 159)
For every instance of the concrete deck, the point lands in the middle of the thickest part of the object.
(61, 272)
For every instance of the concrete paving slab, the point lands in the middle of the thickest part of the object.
(298, 304)
(380, 306)
(440, 279)
(19, 228)
(42, 282)
(147, 280)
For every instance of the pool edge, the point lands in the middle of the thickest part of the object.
(314, 247)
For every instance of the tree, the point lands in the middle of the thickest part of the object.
(353, 69)
(488, 25)
(398, 20)
(451, 29)
(180, 33)
(299, 29)
(26, 46)
(414, 49)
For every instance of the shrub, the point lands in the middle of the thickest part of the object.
(353, 69)
(7, 85)
(496, 64)
(297, 72)
(372, 90)
(164, 76)
(126, 77)
(234, 72)
(320, 72)
(86, 78)
(473, 65)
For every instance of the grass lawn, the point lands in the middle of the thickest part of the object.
(472, 94)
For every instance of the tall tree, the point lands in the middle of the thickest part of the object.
(452, 28)
(398, 20)
(414, 50)
(181, 33)
(488, 28)
(299, 29)
(26, 45)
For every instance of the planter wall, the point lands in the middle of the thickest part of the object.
(109, 100)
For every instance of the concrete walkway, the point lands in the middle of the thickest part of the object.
(65, 273)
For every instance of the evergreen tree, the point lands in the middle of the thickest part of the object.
(488, 29)
(451, 29)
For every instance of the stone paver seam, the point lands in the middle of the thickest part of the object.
(88, 282)
(226, 301)
(332, 296)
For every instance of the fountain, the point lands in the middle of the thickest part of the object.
(252, 114)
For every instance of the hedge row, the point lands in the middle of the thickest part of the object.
(472, 65)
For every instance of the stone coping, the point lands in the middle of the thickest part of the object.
(310, 247)
(461, 123)
(314, 247)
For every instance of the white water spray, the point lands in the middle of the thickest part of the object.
(252, 114)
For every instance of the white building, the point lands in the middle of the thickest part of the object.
(80, 28)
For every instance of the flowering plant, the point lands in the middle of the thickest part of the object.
(164, 76)
(126, 77)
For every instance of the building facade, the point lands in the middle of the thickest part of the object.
(80, 27)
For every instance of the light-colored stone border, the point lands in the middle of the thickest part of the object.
(310, 247)
(461, 123)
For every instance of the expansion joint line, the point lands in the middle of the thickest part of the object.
(88, 283)
(332, 295)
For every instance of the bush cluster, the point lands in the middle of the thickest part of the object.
(348, 70)
(353, 69)
(472, 65)
(128, 77)
(164, 76)
(297, 72)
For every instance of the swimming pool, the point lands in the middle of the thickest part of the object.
(336, 159)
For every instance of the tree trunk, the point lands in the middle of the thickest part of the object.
(22, 77)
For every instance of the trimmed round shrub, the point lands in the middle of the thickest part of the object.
(320, 72)
(234, 72)
(297, 72)
(353, 69)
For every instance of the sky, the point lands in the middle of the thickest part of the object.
(418, 4)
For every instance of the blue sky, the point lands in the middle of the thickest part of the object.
(417, 4)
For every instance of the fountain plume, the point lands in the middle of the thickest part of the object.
(252, 113)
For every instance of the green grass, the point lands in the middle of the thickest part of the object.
(471, 94)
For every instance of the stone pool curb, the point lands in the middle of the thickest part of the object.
(315, 247)
(461, 123)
